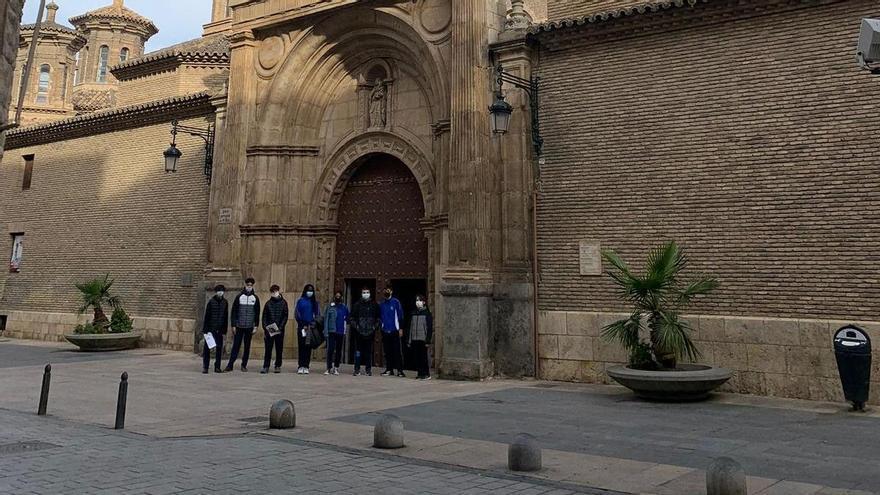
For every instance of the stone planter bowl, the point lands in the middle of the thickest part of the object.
(105, 342)
(690, 382)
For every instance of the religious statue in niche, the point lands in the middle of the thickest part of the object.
(379, 105)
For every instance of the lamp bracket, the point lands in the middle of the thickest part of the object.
(207, 135)
(531, 87)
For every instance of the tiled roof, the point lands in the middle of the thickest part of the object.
(116, 11)
(208, 48)
(49, 26)
(605, 10)
(110, 120)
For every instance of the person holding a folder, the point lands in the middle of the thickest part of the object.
(214, 328)
(275, 315)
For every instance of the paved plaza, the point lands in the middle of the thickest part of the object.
(193, 433)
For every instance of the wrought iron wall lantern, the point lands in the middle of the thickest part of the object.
(868, 54)
(173, 154)
(501, 110)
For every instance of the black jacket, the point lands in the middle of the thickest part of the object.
(365, 317)
(236, 306)
(216, 316)
(275, 311)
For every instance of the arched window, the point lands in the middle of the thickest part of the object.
(102, 63)
(76, 68)
(43, 85)
(123, 55)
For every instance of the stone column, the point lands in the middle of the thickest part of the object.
(227, 191)
(467, 284)
(10, 20)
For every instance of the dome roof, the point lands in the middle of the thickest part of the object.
(116, 12)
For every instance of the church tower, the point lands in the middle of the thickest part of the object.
(114, 34)
(49, 88)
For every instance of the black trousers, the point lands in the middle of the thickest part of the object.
(420, 353)
(304, 351)
(206, 354)
(363, 351)
(242, 335)
(334, 349)
(278, 343)
(391, 345)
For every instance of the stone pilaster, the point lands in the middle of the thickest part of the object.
(227, 191)
(467, 285)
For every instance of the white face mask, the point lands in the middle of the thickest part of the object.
(248, 289)
(220, 293)
(365, 296)
(310, 294)
(276, 294)
(420, 304)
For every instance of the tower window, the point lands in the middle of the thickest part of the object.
(43, 85)
(17, 246)
(102, 63)
(123, 55)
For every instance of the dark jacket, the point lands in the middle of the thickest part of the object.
(240, 311)
(216, 316)
(276, 312)
(421, 327)
(364, 317)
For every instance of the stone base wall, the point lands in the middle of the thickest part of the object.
(778, 357)
(158, 333)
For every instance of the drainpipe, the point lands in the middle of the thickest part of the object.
(26, 76)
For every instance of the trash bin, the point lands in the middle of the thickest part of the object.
(852, 347)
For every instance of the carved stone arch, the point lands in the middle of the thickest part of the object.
(345, 159)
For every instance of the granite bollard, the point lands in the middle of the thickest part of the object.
(282, 415)
(388, 433)
(725, 477)
(524, 454)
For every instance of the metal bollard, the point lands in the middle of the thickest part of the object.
(120, 402)
(44, 392)
(725, 477)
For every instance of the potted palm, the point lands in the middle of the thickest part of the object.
(102, 334)
(657, 338)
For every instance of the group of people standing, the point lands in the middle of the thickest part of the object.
(314, 327)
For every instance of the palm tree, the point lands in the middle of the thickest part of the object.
(96, 294)
(657, 297)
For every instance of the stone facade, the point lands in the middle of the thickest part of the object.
(762, 170)
(10, 19)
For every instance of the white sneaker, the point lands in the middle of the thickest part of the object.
(300, 371)
(305, 371)
(335, 371)
(327, 372)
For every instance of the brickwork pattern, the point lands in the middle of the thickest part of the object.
(104, 204)
(770, 356)
(764, 169)
(568, 9)
(182, 80)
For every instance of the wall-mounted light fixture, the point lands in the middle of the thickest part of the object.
(501, 110)
(172, 154)
(868, 54)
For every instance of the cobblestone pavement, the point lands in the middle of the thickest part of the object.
(52, 456)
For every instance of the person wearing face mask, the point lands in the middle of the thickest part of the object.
(245, 320)
(216, 322)
(419, 336)
(392, 317)
(307, 313)
(364, 321)
(274, 320)
(335, 318)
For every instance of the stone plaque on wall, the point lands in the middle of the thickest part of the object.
(590, 258)
(225, 216)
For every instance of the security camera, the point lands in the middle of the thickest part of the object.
(868, 54)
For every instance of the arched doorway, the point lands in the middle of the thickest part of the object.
(380, 241)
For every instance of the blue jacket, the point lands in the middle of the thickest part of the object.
(306, 311)
(392, 315)
(340, 318)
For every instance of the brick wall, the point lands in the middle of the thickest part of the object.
(752, 142)
(10, 19)
(182, 80)
(566, 9)
(103, 204)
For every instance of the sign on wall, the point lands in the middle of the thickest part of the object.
(225, 216)
(590, 258)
